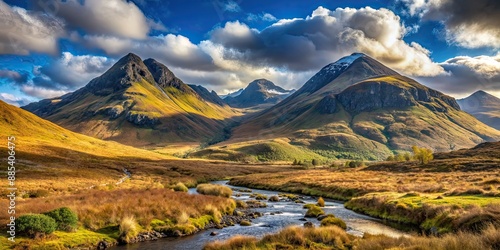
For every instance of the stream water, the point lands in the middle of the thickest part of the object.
(286, 213)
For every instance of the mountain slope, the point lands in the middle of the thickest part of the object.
(359, 108)
(35, 135)
(483, 106)
(137, 103)
(212, 97)
(258, 92)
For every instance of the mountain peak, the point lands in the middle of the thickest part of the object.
(165, 77)
(122, 74)
(259, 91)
(349, 70)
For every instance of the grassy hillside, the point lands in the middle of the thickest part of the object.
(259, 151)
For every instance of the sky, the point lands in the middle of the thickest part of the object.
(51, 47)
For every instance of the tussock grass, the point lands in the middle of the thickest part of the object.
(129, 229)
(214, 189)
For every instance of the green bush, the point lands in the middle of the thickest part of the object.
(35, 225)
(66, 219)
(332, 221)
(314, 211)
(180, 187)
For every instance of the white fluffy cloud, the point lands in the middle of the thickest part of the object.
(73, 71)
(470, 24)
(22, 31)
(302, 44)
(468, 74)
(111, 17)
(174, 50)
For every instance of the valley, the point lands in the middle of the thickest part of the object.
(139, 155)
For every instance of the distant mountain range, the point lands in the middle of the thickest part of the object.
(354, 108)
(258, 92)
(483, 106)
(139, 103)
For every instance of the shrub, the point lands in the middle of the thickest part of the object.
(422, 155)
(180, 187)
(35, 225)
(314, 211)
(214, 190)
(128, 229)
(321, 202)
(332, 221)
(66, 219)
(314, 162)
(241, 204)
(309, 205)
(245, 223)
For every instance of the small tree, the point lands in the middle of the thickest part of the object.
(390, 158)
(295, 162)
(36, 225)
(422, 155)
(66, 219)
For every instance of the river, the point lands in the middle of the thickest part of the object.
(286, 213)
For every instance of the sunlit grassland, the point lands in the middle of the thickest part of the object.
(337, 239)
(448, 201)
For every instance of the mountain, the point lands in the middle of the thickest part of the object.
(36, 136)
(484, 107)
(358, 108)
(233, 94)
(138, 103)
(212, 97)
(258, 92)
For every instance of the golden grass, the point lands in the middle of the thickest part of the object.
(215, 190)
(335, 238)
(97, 209)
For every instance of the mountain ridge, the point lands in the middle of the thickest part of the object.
(138, 104)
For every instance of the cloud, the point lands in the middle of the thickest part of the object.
(111, 17)
(74, 71)
(13, 100)
(266, 17)
(23, 32)
(468, 74)
(470, 24)
(40, 92)
(232, 6)
(303, 44)
(14, 76)
(173, 50)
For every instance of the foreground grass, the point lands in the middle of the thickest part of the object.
(437, 202)
(103, 213)
(335, 238)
